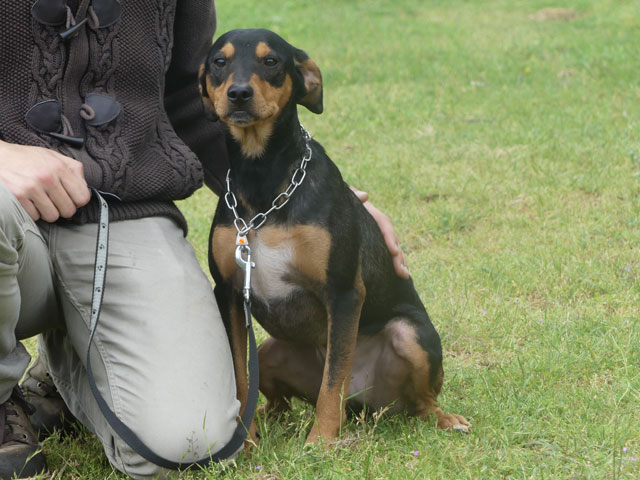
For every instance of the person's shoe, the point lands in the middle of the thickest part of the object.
(51, 413)
(20, 455)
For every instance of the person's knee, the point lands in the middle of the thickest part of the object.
(177, 436)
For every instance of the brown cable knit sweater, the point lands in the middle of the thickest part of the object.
(120, 94)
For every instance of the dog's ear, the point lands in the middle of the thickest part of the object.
(209, 109)
(312, 99)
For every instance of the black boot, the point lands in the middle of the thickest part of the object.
(51, 413)
(20, 455)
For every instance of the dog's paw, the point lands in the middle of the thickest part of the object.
(319, 438)
(462, 428)
(454, 422)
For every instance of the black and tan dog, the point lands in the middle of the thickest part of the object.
(344, 328)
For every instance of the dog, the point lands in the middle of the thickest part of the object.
(345, 330)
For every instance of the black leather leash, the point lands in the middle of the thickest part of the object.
(124, 432)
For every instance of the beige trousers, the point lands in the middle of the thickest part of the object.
(160, 355)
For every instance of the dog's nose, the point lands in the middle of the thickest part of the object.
(240, 93)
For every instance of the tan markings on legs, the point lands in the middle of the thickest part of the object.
(422, 392)
(223, 247)
(330, 407)
(239, 352)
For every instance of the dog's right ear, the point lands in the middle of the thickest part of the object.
(312, 79)
(209, 109)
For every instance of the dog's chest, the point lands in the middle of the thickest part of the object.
(285, 259)
(271, 279)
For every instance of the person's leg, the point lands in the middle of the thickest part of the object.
(161, 357)
(27, 297)
(27, 306)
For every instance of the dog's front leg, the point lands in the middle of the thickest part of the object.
(239, 352)
(237, 332)
(344, 316)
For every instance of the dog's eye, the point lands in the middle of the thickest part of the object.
(270, 61)
(219, 62)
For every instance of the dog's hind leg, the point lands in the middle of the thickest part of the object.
(289, 370)
(425, 376)
(428, 404)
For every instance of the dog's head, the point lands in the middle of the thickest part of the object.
(251, 76)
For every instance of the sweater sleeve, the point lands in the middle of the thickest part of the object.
(194, 26)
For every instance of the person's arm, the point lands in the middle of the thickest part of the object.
(47, 184)
(194, 27)
(388, 232)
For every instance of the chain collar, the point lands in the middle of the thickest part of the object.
(243, 252)
(280, 201)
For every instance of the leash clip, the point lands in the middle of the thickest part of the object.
(242, 247)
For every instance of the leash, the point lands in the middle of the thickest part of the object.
(124, 432)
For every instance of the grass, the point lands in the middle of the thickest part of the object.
(502, 139)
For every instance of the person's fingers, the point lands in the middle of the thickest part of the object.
(59, 196)
(45, 207)
(391, 240)
(49, 195)
(77, 189)
(400, 265)
(31, 209)
(72, 179)
(392, 243)
(74, 165)
(362, 196)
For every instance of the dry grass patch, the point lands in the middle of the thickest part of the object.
(555, 15)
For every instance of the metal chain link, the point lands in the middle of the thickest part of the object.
(280, 201)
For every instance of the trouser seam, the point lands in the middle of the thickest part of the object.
(112, 383)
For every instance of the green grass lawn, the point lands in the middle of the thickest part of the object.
(503, 140)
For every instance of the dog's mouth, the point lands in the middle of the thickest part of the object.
(240, 118)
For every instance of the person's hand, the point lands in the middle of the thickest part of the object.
(47, 184)
(388, 232)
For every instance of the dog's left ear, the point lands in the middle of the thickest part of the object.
(209, 109)
(310, 72)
